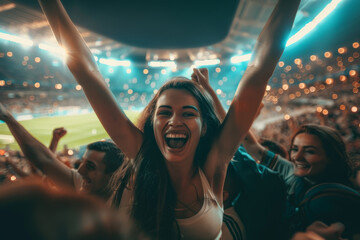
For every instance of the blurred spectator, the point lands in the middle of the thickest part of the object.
(100, 161)
(31, 210)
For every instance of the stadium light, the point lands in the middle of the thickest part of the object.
(162, 64)
(95, 51)
(56, 50)
(311, 25)
(16, 39)
(241, 58)
(7, 7)
(301, 33)
(207, 62)
(114, 62)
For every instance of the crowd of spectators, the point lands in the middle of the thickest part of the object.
(173, 164)
(342, 114)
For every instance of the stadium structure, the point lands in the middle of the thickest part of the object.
(139, 48)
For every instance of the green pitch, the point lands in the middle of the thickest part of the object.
(81, 130)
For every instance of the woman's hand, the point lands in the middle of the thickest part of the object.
(201, 76)
(83, 66)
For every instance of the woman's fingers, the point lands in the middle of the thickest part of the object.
(200, 76)
(194, 76)
(204, 74)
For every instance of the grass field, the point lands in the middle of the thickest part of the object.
(81, 130)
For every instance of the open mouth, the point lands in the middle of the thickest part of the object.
(176, 140)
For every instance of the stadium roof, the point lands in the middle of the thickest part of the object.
(185, 31)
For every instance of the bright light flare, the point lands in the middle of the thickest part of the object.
(55, 50)
(6, 7)
(16, 39)
(311, 25)
(242, 58)
(207, 62)
(114, 62)
(162, 64)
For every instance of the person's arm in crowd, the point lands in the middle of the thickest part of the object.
(248, 96)
(267, 158)
(201, 76)
(82, 64)
(267, 52)
(36, 152)
(57, 134)
(253, 147)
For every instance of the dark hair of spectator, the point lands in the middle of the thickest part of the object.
(26, 208)
(113, 158)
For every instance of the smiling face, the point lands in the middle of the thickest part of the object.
(309, 157)
(92, 170)
(177, 125)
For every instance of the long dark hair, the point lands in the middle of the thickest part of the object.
(339, 168)
(154, 195)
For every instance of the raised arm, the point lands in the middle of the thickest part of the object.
(248, 96)
(267, 52)
(57, 134)
(84, 68)
(36, 152)
(201, 76)
(253, 147)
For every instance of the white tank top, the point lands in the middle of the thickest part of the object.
(207, 223)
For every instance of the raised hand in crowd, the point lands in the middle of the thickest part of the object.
(36, 152)
(57, 134)
(100, 161)
(201, 76)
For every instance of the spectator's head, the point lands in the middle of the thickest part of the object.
(319, 153)
(32, 210)
(164, 103)
(274, 147)
(99, 162)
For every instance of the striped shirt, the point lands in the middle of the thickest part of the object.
(233, 228)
